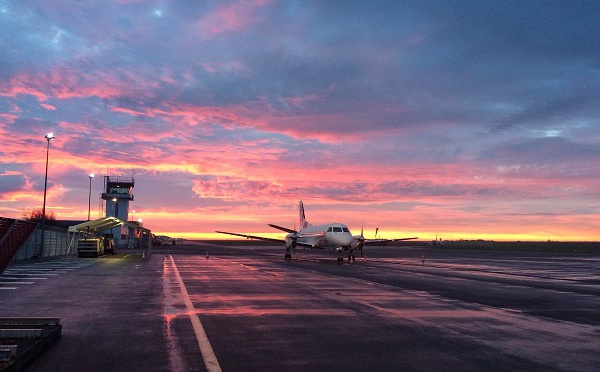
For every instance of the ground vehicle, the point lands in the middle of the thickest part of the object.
(89, 247)
(161, 240)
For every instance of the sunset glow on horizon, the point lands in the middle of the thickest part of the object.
(458, 120)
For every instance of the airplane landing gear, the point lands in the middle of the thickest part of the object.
(340, 260)
(351, 258)
(288, 256)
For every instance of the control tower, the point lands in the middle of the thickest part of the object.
(117, 194)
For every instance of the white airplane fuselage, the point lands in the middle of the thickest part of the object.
(332, 235)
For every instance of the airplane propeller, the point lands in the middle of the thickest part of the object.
(361, 239)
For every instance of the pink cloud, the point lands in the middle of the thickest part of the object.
(22, 85)
(300, 101)
(231, 17)
(62, 82)
(261, 115)
(48, 107)
(7, 119)
(235, 188)
(25, 194)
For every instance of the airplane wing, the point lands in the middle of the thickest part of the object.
(379, 241)
(301, 244)
(253, 237)
(283, 228)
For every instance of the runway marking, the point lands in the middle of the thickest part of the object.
(23, 274)
(210, 359)
(9, 278)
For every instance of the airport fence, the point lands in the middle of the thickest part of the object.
(55, 243)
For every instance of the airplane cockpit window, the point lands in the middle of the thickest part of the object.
(345, 229)
(330, 229)
(337, 229)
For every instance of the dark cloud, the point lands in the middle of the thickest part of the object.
(401, 189)
(547, 150)
(11, 182)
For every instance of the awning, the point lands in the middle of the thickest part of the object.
(104, 223)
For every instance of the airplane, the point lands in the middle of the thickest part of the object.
(332, 235)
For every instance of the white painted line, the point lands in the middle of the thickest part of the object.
(210, 359)
(29, 269)
(20, 278)
(8, 287)
(26, 276)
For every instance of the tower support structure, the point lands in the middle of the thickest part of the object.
(117, 195)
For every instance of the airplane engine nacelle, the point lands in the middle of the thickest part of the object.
(290, 243)
(358, 243)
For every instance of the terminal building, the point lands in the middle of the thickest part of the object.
(21, 239)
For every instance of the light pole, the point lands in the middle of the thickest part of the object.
(49, 137)
(90, 196)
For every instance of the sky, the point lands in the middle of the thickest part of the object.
(456, 119)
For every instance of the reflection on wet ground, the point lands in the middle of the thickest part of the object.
(172, 308)
(493, 304)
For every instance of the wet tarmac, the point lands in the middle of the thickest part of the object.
(246, 309)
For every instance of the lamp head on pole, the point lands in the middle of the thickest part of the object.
(91, 175)
(49, 136)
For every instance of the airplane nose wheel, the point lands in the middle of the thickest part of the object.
(351, 258)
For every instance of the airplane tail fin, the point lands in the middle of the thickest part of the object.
(303, 223)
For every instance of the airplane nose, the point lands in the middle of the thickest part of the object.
(347, 240)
